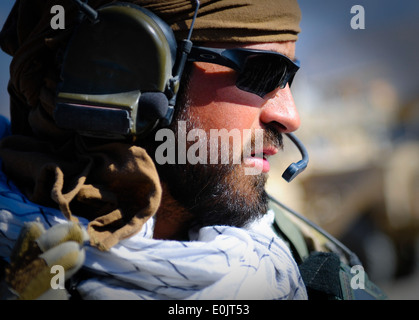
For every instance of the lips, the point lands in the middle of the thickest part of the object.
(265, 153)
(259, 159)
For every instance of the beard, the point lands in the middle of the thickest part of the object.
(214, 194)
(217, 194)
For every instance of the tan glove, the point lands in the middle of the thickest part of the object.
(42, 260)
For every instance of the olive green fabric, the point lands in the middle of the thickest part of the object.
(231, 20)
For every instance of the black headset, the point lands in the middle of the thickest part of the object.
(120, 73)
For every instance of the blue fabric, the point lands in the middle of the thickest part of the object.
(4, 127)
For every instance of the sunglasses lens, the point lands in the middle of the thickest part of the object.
(264, 73)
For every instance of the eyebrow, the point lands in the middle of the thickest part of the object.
(284, 54)
(295, 59)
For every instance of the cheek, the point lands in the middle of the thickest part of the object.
(233, 119)
(218, 103)
(225, 116)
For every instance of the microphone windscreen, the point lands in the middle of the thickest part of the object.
(153, 105)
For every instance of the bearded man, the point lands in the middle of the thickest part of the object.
(186, 230)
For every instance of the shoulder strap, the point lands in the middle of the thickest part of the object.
(325, 263)
(290, 233)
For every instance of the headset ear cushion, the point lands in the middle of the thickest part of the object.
(153, 105)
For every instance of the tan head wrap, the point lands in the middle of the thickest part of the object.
(232, 20)
(115, 185)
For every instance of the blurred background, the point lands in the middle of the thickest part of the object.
(358, 97)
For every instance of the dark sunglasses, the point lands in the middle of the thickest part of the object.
(259, 72)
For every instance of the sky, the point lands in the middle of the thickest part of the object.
(329, 46)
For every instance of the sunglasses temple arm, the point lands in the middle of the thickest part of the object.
(212, 55)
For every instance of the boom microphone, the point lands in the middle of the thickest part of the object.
(295, 169)
(289, 174)
(153, 105)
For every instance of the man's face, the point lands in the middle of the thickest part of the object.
(224, 193)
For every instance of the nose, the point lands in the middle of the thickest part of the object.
(280, 110)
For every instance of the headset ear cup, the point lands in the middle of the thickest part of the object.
(127, 52)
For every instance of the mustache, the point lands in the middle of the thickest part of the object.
(271, 138)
